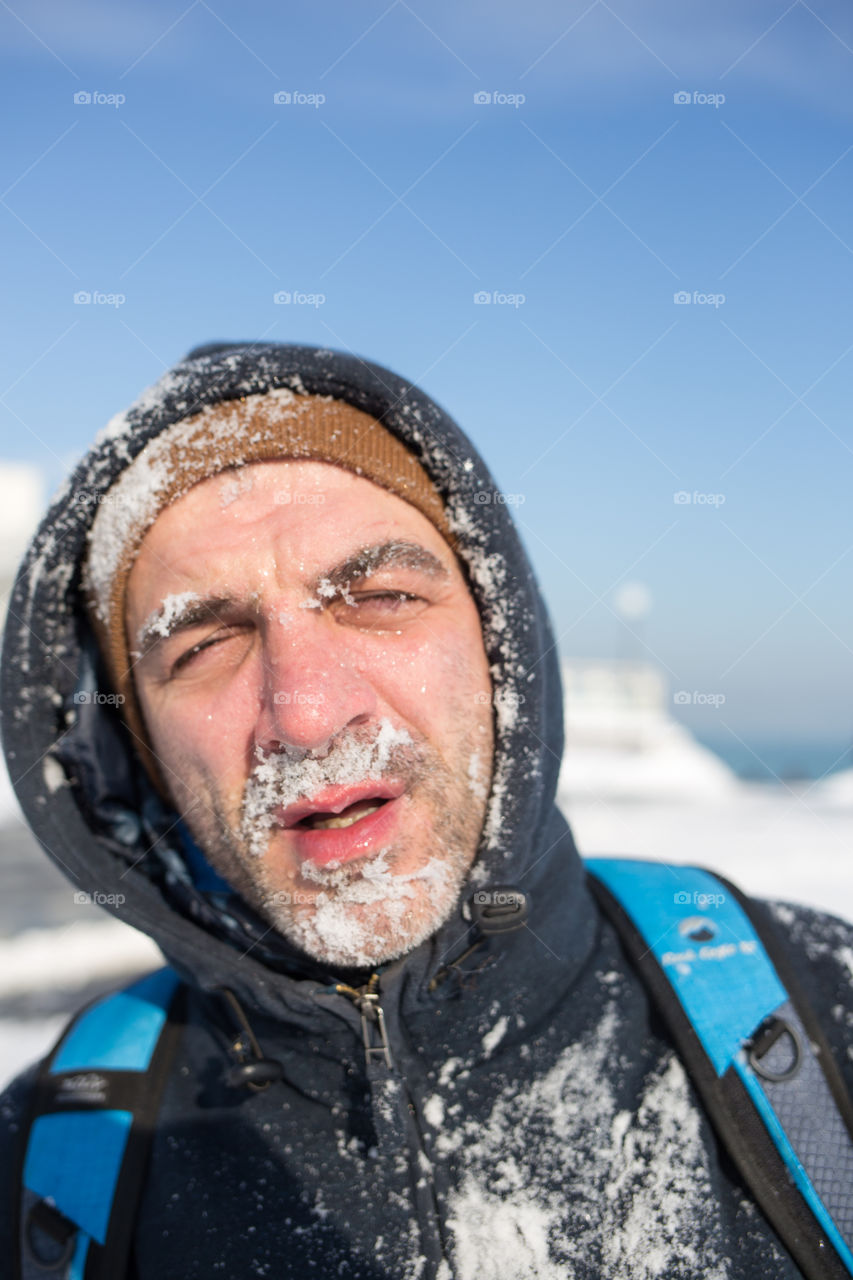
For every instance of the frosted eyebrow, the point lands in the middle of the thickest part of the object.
(180, 613)
(384, 555)
(172, 617)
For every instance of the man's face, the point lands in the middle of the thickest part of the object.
(316, 691)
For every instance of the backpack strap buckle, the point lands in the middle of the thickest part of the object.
(768, 1035)
(49, 1237)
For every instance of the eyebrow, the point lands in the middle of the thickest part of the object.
(156, 629)
(360, 565)
(384, 555)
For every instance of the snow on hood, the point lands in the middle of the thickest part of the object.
(71, 760)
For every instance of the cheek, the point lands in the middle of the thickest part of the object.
(434, 677)
(204, 732)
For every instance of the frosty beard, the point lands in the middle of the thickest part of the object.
(377, 907)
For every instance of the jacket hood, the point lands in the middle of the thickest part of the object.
(72, 761)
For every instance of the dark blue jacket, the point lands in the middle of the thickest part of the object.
(536, 1121)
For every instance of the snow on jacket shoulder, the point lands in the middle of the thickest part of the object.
(535, 1120)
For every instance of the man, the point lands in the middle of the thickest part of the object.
(413, 1045)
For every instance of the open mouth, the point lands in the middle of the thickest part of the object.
(341, 823)
(346, 818)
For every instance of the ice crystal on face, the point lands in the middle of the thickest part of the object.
(234, 484)
(476, 780)
(327, 590)
(161, 620)
(333, 928)
(281, 779)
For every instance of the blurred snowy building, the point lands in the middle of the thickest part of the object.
(622, 743)
(836, 789)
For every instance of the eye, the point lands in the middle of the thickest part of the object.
(190, 655)
(385, 597)
(378, 608)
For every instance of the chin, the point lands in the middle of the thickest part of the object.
(362, 934)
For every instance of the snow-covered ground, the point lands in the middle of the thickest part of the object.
(836, 790)
(55, 950)
(794, 844)
(71, 956)
(46, 973)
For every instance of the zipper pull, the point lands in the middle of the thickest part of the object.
(373, 1033)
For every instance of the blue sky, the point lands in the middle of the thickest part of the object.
(580, 211)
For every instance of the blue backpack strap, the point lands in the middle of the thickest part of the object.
(751, 1045)
(93, 1115)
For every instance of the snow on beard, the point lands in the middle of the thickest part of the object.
(279, 780)
(364, 912)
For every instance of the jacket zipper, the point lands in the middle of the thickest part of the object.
(373, 1031)
(406, 1132)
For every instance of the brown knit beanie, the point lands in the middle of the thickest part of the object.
(273, 426)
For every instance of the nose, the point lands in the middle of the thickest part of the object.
(312, 688)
